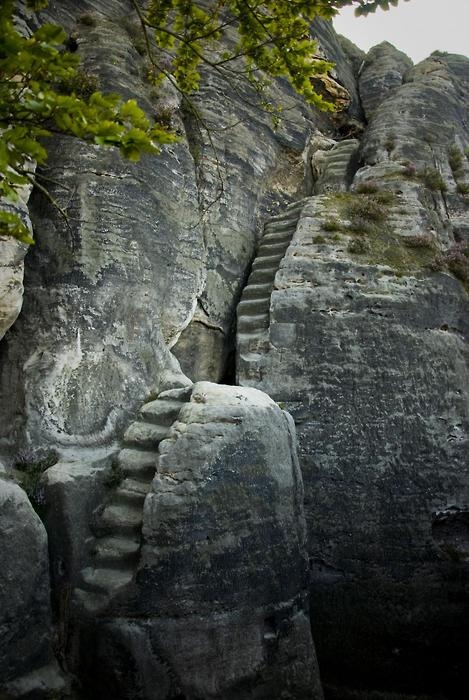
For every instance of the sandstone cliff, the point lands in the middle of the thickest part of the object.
(193, 542)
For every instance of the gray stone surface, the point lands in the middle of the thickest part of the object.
(12, 254)
(383, 70)
(220, 609)
(26, 660)
(69, 493)
(367, 347)
(151, 250)
(342, 320)
(11, 281)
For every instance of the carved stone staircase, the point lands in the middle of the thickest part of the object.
(338, 167)
(117, 524)
(253, 309)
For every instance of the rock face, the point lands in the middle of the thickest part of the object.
(179, 533)
(154, 255)
(365, 340)
(382, 71)
(27, 664)
(12, 254)
(218, 607)
(11, 282)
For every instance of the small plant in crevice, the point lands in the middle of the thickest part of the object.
(164, 116)
(369, 207)
(319, 239)
(331, 225)
(420, 240)
(410, 169)
(359, 246)
(32, 462)
(87, 19)
(369, 187)
(456, 260)
(83, 84)
(456, 160)
(362, 226)
(431, 178)
(462, 188)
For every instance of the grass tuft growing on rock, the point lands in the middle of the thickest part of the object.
(331, 225)
(374, 241)
(87, 19)
(462, 188)
(410, 169)
(421, 240)
(455, 260)
(359, 246)
(83, 84)
(319, 239)
(456, 159)
(369, 187)
(431, 178)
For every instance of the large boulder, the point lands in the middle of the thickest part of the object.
(220, 608)
(27, 665)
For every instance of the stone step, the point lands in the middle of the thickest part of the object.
(272, 248)
(250, 307)
(91, 602)
(263, 275)
(161, 411)
(267, 261)
(105, 580)
(338, 155)
(181, 394)
(247, 323)
(118, 518)
(247, 356)
(249, 342)
(137, 463)
(131, 491)
(115, 549)
(278, 238)
(290, 210)
(145, 435)
(257, 291)
(280, 226)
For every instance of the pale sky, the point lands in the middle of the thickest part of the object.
(416, 27)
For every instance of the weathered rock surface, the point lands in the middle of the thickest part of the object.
(153, 254)
(11, 282)
(69, 492)
(355, 315)
(12, 254)
(368, 348)
(27, 666)
(220, 605)
(382, 71)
